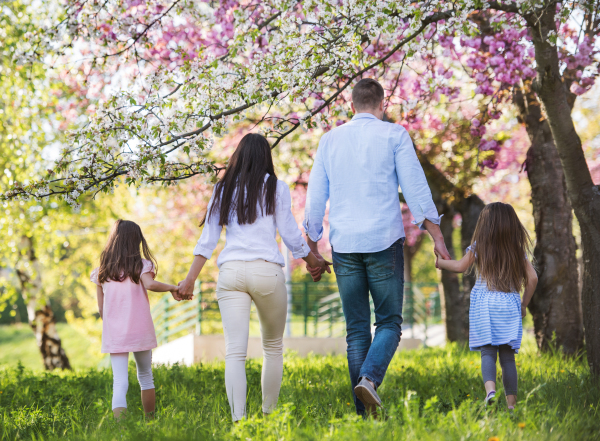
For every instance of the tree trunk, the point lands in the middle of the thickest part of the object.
(409, 253)
(39, 313)
(469, 209)
(584, 195)
(456, 297)
(555, 305)
(457, 307)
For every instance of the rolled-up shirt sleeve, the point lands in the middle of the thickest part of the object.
(316, 197)
(286, 223)
(210, 234)
(413, 182)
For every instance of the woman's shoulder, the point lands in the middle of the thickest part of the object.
(282, 187)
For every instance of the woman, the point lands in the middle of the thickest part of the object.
(253, 204)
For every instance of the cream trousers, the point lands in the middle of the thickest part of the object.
(239, 284)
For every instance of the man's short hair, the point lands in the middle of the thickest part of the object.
(367, 94)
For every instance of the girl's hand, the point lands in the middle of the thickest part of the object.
(175, 293)
(523, 311)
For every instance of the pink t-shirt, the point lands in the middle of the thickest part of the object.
(127, 323)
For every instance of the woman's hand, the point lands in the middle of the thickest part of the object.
(523, 311)
(186, 289)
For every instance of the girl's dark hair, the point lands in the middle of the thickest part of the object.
(501, 245)
(244, 178)
(122, 256)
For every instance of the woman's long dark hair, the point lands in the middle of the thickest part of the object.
(245, 178)
(122, 256)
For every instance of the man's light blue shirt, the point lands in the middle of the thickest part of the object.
(358, 168)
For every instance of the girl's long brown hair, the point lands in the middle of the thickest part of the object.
(243, 185)
(501, 245)
(122, 256)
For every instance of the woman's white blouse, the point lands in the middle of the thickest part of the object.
(258, 240)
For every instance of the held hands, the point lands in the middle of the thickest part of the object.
(440, 251)
(175, 293)
(320, 266)
(185, 290)
(523, 310)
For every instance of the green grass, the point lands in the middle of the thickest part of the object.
(430, 394)
(17, 345)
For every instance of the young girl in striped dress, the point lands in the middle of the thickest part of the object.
(498, 253)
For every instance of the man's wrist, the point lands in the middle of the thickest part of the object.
(313, 246)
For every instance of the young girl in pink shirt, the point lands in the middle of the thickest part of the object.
(122, 280)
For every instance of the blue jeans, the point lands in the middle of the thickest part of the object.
(382, 274)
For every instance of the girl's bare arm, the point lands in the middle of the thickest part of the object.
(532, 280)
(153, 285)
(456, 266)
(100, 297)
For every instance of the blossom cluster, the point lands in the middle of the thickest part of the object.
(297, 57)
(199, 68)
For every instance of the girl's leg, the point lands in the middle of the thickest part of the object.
(488, 367)
(235, 314)
(120, 382)
(270, 297)
(509, 374)
(143, 361)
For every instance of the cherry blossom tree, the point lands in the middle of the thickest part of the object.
(501, 60)
(39, 252)
(290, 63)
(559, 77)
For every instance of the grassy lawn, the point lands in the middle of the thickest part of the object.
(430, 394)
(17, 344)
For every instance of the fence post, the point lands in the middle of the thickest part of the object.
(305, 309)
(198, 289)
(166, 321)
(316, 311)
(288, 286)
(408, 299)
(331, 319)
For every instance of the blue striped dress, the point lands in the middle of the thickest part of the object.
(494, 317)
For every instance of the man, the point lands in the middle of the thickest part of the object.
(358, 167)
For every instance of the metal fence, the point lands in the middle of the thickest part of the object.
(316, 311)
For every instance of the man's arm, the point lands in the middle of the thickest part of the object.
(439, 245)
(417, 193)
(316, 202)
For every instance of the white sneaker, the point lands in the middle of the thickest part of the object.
(490, 398)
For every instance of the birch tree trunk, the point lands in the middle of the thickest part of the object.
(555, 305)
(40, 315)
(584, 195)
